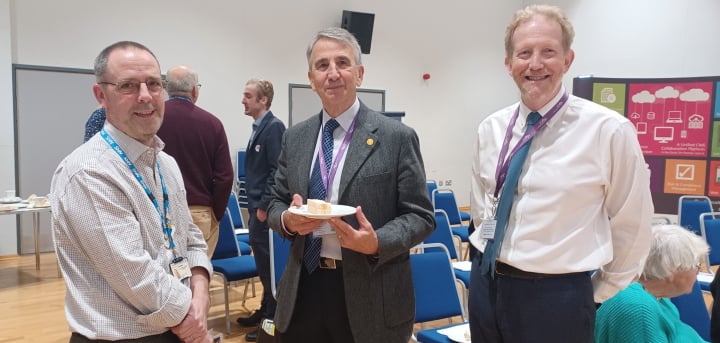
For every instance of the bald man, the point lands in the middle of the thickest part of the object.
(196, 139)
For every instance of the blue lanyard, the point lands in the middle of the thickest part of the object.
(167, 226)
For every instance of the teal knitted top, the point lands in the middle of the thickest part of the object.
(634, 315)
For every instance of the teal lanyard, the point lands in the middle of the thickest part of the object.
(164, 217)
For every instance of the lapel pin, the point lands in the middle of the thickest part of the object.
(370, 141)
(257, 148)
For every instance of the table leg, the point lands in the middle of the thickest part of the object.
(36, 227)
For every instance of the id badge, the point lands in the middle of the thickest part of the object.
(487, 228)
(180, 268)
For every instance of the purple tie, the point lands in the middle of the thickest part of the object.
(316, 190)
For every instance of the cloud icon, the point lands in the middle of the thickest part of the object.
(643, 97)
(667, 92)
(695, 94)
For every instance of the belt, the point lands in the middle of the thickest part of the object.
(505, 269)
(167, 337)
(330, 263)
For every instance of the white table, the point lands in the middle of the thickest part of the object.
(36, 227)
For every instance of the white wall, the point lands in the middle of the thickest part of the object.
(460, 43)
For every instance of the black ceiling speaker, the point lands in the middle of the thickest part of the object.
(361, 26)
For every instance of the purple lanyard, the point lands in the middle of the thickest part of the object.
(328, 177)
(504, 163)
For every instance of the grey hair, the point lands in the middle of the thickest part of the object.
(673, 248)
(551, 12)
(181, 83)
(338, 34)
(101, 61)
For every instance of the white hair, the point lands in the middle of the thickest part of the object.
(673, 248)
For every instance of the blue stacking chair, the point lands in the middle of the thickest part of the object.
(443, 235)
(693, 311)
(436, 294)
(238, 224)
(228, 263)
(444, 199)
(279, 253)
(710, 231)
(690, 207)
(240, 179)
(431, 186)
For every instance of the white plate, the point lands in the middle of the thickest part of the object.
(457, 333)
(10, 200)
(335, 211)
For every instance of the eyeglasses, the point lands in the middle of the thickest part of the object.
(199, 85)
(132, 86)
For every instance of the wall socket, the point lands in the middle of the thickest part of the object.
(446, 183)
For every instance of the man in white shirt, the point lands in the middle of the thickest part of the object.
(134, 264)
(582, 201)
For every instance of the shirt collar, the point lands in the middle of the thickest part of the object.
(525, 111)
(345, 118)
(257, 122)
(132, 148)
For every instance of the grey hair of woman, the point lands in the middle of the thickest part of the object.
(673, 248)
(338, 34)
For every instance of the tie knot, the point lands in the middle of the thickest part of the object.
(331, 125)
(533, 118)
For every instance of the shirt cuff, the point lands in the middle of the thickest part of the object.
(282, 224)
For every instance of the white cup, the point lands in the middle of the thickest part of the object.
(10, 194)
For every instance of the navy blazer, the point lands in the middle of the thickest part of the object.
(261, 160)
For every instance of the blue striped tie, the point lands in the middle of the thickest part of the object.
(316, 190)
(506, 200)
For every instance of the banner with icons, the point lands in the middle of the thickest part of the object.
(677, 121)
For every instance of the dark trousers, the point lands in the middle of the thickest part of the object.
(513, 310)
(320, 312)
(260, 243)
(167, 337)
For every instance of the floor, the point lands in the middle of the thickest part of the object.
(32, 303)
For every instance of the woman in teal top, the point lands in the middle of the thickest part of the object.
(643, 311)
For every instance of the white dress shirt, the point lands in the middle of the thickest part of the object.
(583, 200)
(331, 245)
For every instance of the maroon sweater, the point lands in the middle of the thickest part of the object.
(197, 141)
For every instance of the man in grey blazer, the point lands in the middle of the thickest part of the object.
(361, 288)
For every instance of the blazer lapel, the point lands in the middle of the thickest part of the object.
(304, 154)
(363, 141)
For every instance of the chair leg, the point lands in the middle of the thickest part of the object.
(247, 281)
(227, 305)
(253, 287)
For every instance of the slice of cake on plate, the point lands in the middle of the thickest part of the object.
(316, 206)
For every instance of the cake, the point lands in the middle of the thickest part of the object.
(316, 206)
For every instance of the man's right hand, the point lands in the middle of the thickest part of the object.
(298, 224)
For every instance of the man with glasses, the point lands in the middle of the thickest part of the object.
(134, 264)
(196, 139)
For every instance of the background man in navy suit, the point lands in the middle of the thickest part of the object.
(260, 164)
(361, 288)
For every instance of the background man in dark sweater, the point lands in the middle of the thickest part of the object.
(197, 141)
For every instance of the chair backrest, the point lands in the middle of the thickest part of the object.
(442, 234)
(227, 245)
(431, 186)
(690, 207)
(241, 165)
(235, 214)
(710, 230)
(444, 199)
(693, 311)
(436, 294)
(279, 253)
